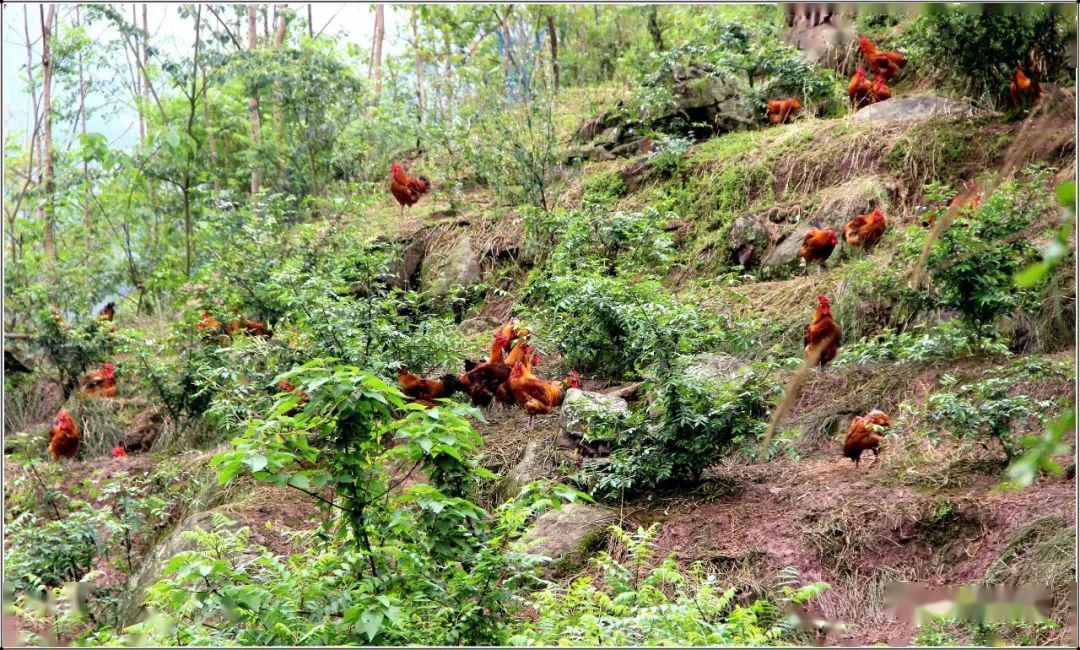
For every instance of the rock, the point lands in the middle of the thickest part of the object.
(478, 325)
(715, 101)
(569, 535)
(537, 461)
(152, 568)
(787, 250)
(579, 406)
(714, 367)
(458, 267)
(909, 108)
(628, 392)
(587, 152)
(748, 240)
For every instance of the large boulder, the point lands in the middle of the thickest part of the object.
(748, 240)
(152, 568)
(787, 249)
(581, 410)
(717, 368)
(704, 104)
(537, 461)
(909, 108)
(570, 534)
(457, 267)
(478, 325)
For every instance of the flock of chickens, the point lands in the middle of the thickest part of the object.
(886, 66)
(505, 377)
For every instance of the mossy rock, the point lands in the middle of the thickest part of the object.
(459, 266)
(570, 535)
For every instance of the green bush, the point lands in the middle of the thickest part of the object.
(986, 408)
(690, 424)
(973, 261)
(44, 553)
(976, 47)
(630, 604)
(604, 189)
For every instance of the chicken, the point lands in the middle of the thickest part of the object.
(100, 382)
(859, 89)
(286, 386)
(208, 324)
(879, 92)
(536, 396)
(822, 334)
(865, 230)
(968, 199)
(406, 189)
(249, 327)
(864, 434)
(781, 110)
(422, 389)
(881, 64)
(1023, 91)
(818, 245)
(108, 312)
(481, 381)
(119, 452)
(63, 437)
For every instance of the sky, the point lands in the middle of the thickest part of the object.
(354, 21)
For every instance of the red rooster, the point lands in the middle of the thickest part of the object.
(879, 92)
(63, 437)
(865, 230)
(859, 88)
(536, 396)
(817, 246)
(1023, 91)
(780, 111)
(882, 64)
(822, 335)
(406, 189)
(100, 382)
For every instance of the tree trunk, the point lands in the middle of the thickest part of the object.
(654, 29)
(47, 145)
(138, 57)
(211, 138)
(419, 66)
(193, 98)
(504, 24)
(35, 140)
(253, 103)
(310, 24)
(82, 131)
(554, 49)
(266, 21)
(280, 30)
(376, 50)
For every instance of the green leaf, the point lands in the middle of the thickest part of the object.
(258, 462)
(371, 620)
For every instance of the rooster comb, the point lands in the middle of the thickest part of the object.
(822, 300)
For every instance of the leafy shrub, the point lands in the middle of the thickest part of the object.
(48, 553)
(977, 47)
(986, 408)
(632, 605)
(691, 424)
(920, 344)
(72, 348)
(670, 153)
(391, 535)
(973, 261)
(604, 189)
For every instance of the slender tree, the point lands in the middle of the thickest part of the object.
(418, 64)
(253, 102)
(376, 51)
(82, 131)
(554, 49)
(47, 144)
(310, 24)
